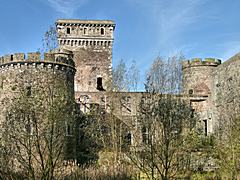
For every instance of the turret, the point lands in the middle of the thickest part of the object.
(197, 75)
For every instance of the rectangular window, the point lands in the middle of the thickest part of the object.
(144, 135)
(102, 31)
(205, 127)
(99, 84)
(68, 30)
(85, 31)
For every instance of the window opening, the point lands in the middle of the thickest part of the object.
(29, 90)
(192, 113)
(144, 135)
(205, 127)
(190, 91)
(129, 138)
(85, 31)
(102, 31)
(99, 84)
(68, 30)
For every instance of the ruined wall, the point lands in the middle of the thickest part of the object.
(226, 92)
(91, 42)
(197, 80)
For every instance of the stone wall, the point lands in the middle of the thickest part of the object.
(40, 79)
(91, 42)
(197, 75)
(226, 92)
(198, 79)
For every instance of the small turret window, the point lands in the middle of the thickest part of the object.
(68, 30)
(205, 127)
(144, 135)
(102, 31)
(29, 90)
(190, 91)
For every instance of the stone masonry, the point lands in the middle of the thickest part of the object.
(211, 87)
(20, 74)
(91, 42)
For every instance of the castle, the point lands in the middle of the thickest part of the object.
(83, 63)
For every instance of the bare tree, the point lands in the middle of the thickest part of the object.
(49, 40)
(38, 121)
(119, 82)
(164, 122)
(227, 149)
(133, 77)
(165, 75)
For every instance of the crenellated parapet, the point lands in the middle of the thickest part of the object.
(74, 33)
(201, 62)
(58, 59)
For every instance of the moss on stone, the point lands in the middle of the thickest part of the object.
(196, 60)
(209, 60)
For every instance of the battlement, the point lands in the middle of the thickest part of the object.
(58, 57)
(85, 23)
(74, 33)
(201, 62)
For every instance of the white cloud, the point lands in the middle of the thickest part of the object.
(66, 7)
(172, 17)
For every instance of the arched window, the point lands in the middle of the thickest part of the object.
(102, 31)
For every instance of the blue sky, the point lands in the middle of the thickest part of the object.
(144, 28)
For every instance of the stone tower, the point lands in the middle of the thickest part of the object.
(32, 89)
(198, 82)
(91, 42)
(197, 75)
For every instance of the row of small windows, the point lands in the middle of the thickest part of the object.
(85, 43)
(102, 31)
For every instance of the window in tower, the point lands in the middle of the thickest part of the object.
(205, 127)
(99, 84)
(29, 90)
(85, 31)
(102, 31)
(190, 91)
(68, 30)
(144, 135)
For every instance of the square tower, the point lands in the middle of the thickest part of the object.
(91, 42)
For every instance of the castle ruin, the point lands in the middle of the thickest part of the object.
(84, 63)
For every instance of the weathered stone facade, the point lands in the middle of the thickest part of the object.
(91, 42)
(212, 88)
(36, 77)
(219, 83)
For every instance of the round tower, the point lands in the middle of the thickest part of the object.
(197, 75)
(36, 84)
